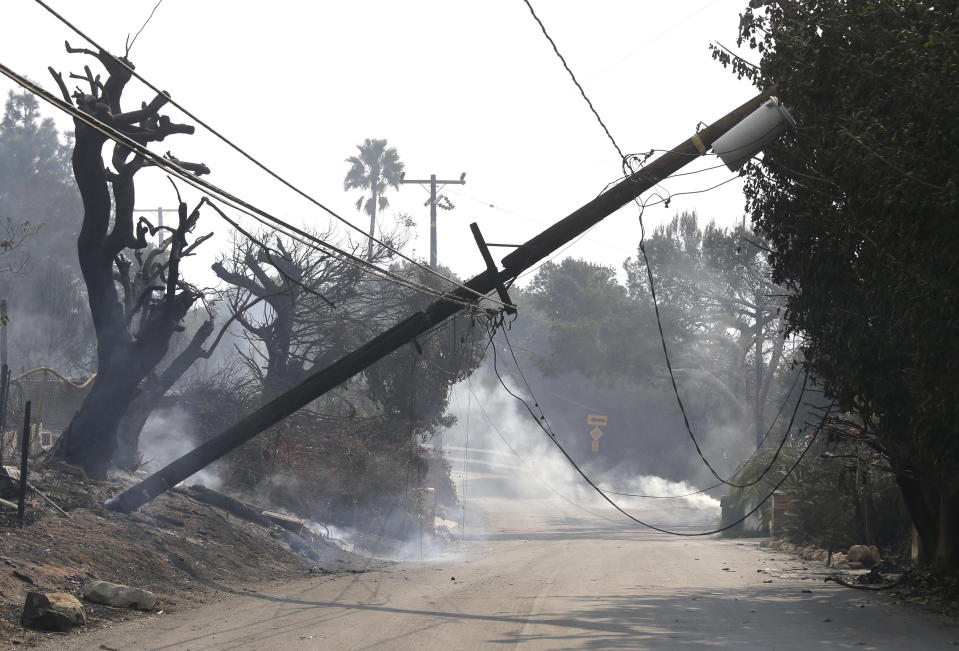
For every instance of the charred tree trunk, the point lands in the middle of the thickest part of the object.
(153, 389)
(107, 230)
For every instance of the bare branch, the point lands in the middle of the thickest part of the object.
(146, 111)
(234, 317)
(57, 77)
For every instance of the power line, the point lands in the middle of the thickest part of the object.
(747, 484)
(573, 77)
(125, 64)
(759, 447)
(629, 172)
(228, 198)
(654, 39)
(669, 365)
(552, 437)
(466, 455)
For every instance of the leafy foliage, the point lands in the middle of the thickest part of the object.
(36, 183)
(860, 204)
(49, 318)
(377, 168)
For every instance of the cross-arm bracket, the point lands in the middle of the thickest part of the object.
(491, 267)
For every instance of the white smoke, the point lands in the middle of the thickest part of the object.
(508, 456)
(167, 435)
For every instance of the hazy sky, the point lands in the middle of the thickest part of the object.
(456, 86)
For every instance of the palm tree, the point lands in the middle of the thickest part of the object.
(377, 167)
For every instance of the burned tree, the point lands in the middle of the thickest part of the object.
(298, 286)
(134, 314)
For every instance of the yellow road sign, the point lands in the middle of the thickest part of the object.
(596, 419)
(596, 434)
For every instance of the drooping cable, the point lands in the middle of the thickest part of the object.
(524, 461)
(629, 172)
(759, 447)
(772, 462)
(633, 518)
(669, 365)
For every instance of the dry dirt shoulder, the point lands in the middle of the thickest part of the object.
(183, 550)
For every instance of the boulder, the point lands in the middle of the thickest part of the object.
(122, 596)
(776, 544)
(821, 555)
(838, 559)
(868, 556)
(54, 611)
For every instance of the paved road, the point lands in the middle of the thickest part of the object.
(545, 575)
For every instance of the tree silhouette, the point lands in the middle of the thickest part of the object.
(377, 167)
(136, 308)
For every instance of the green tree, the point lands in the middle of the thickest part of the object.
(36, 184)
(49, 321)
(375, 169)
(860, 203)
(591, 322)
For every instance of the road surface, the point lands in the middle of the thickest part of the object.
(539, 573)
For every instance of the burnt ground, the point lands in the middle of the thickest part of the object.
(183, 550)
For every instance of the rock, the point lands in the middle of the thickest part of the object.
(838, 559)
(765, 543)
(776, 544)
(55, 611)
(821, 555)
(868, 556)
(122, 596)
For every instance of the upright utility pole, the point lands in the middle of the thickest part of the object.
(492, 279)
(433, 181)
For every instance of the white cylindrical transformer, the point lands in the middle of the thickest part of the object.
(749, 136)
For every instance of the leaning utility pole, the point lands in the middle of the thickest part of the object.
(432, 204)
(525, 256)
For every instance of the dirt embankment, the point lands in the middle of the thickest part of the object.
(184, 550)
